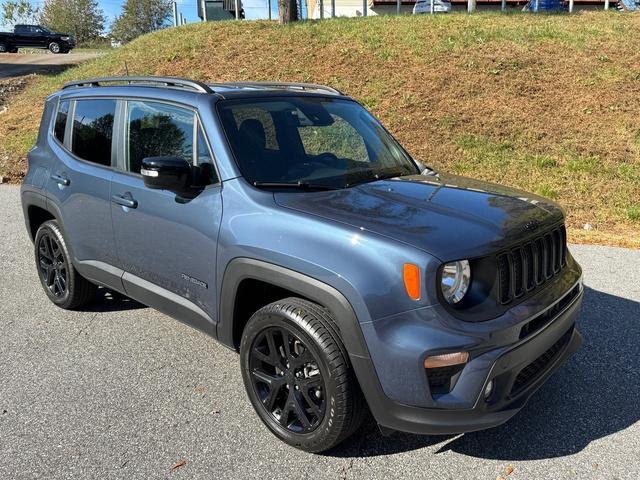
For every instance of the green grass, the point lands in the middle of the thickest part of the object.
(544, 103)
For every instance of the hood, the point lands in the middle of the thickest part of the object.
(448, 216)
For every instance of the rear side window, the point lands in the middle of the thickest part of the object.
(93, 130)
(159, 130)
(61, 121)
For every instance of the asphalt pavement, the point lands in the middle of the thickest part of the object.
(122, 391)
(18, 64)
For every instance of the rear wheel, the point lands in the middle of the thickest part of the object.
(298, 377)
(61, 282)
(3, 47)
(54, 47)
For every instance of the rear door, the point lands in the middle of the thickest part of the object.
(167, 244)
(81, 140)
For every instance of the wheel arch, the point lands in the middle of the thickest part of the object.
(241, 270)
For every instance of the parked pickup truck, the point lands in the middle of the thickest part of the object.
(35, 36)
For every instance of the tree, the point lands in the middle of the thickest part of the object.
(287, 11)
(81, 18)
(18, 11)
(139, 17)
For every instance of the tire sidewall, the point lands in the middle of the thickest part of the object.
(323, 432)
(51, 228)
(53, 46)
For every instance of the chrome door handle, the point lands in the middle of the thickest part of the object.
(125, 200)
(60, 180)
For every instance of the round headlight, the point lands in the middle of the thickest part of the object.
(456, 277)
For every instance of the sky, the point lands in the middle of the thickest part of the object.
(112, 8)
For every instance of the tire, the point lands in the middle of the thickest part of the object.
(13, 50)
(54, 47)
(4, 48)
(307, 377)
(62, 283)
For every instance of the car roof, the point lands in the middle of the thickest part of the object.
(220, 90)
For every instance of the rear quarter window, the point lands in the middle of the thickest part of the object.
(93, 130)
(61, 121)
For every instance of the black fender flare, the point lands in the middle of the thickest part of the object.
(240, 269)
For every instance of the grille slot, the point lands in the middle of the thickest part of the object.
(536, 368)
(526, 267)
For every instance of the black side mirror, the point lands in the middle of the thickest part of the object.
(166, 173)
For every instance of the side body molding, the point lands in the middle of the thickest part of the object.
(240, 269)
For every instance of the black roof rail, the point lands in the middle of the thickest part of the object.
(301, 86)
(166, 81)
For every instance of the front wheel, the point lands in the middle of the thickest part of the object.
(54, 47)
(298, 377)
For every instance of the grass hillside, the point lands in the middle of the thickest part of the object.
(549, 104)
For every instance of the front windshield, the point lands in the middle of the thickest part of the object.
(310, 140)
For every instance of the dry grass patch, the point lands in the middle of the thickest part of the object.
(549, 104)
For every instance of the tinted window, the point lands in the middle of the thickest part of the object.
(205, 169)
(93, 130)
(324, 141)
(61, 121)
(159, 130)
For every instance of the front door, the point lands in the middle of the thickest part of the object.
(167, 244)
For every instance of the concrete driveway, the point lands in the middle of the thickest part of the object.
(18, 64)
(122, 391)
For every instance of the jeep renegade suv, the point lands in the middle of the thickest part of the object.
(286, 222)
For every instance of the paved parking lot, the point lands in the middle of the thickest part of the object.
(18, 64)
(122, 391)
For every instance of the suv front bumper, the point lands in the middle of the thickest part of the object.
(518, 369)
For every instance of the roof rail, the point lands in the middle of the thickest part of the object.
(166, 81)
(301, 86)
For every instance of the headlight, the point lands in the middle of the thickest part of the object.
(64, 39)
(456, 277)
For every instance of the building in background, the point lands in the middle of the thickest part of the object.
(212, 10)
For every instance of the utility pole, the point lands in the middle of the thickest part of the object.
(321, 10)
(204, 10)
(471, 6)
(503, 7)
(237, 7)
(181, 19)
(333, 8)
(398, 2)
(175, 14)
(606, 4)
(570, 6)
(364, 7)
(432, 7)
(269, 7)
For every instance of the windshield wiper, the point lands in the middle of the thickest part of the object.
(299, 185)
(373, 177)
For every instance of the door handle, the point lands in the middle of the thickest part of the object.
(125, 200)
(60, 180)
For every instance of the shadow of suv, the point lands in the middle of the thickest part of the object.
(287, 223)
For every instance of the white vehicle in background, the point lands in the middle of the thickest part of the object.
(424, 6)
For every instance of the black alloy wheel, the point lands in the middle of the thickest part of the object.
(298, 376)
(61, 281)
(53, 266)
(287, 380)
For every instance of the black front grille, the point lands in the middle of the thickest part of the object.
(532, 371)
(525, 267)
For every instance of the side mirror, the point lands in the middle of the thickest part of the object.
(166, 173)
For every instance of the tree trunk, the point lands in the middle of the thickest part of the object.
(287, 11)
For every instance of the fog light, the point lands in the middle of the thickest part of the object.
(488, 390)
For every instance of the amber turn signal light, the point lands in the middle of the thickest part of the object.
(411, 276)
(446, 360)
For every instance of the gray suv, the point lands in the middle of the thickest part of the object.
(286, 222)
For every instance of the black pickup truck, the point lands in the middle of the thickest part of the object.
(35, 36)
